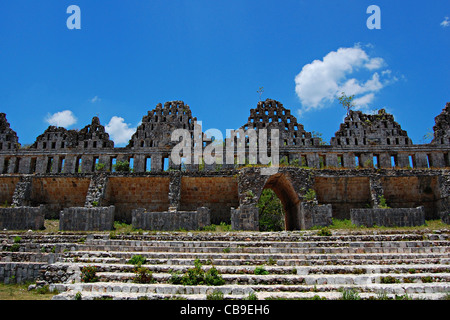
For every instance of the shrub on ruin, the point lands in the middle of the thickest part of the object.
(382, 202)
(216, 295)
(324, 232)
(89, 274)
(143, 275)
(100, 167)
(310, 195)
(137, 260)
(122, 166)
(271, 213)
(350, 294)
(261, 271)
(197, 276)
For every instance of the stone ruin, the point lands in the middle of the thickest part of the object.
(370, 158)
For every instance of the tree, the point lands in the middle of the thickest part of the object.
(260, 92)
(346, 101)
(428, 137)
(271, 213)
(122, 166)
(318, 135)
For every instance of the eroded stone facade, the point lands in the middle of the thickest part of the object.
(369, 157)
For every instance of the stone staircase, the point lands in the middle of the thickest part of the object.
(284, 265)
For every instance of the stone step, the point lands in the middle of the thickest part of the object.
(27, 257)
(60, 272)
(329, 291)
(249, 237)
(290, 279)
(413, 269)
(264, 244)
(286, 249)
(291, 263)
(71, 295)
(166, 256)
(239, 247)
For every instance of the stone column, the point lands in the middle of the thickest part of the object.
(2, 164)
(139, 163)
(313, 160)
(437, 159)
(385, 161)
(22, 192)
(86, 163)
(403, 160)
(24, 165)
(349, 160)
(105, 159)
(174, 191)
(96, 192)
(156, 162)
(376, 190)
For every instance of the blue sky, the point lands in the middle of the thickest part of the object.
(214, 55)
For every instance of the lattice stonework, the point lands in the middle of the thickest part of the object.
(271, 114)
(157, 126)
(370, 129)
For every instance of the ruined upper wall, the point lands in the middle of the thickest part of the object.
(362, 141)
(157, 126)
(271, 114)
(59, 138)
(442, 127)
(370, 129)
(8, 137)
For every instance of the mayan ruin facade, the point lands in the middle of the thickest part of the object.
(370, 158)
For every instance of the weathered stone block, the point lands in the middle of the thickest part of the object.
(22, 218)
(246, 217)
(87, 219)
(170, 221)
(312, 214)
(393, 217)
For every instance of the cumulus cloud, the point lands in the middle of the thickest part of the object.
(64, 118)
(119, 131)
(364, 100)
(446, 22)
(320, 81)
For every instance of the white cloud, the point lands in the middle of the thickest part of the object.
(95, 99)
(320, 81)
(374, 63)
(446, 22)
(364, 100)
(119, 131)
(64, 118)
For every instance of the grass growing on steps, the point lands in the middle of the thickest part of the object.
(20, 292)
(346, 224)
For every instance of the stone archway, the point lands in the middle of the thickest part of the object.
(285, 191)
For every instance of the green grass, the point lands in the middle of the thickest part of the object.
(121, 228)
(346, 224)
(20, 292)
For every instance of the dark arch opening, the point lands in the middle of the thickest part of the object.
(285, 192)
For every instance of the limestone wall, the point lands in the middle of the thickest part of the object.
(219, 194)
(395, 217)
(87, 219)
(315, 215)
(171, 220)
(127, 193)
(22, 218)
(16, 272)
(246, 217)
(57, 193)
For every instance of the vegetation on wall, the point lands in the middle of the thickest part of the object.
(271, 213)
